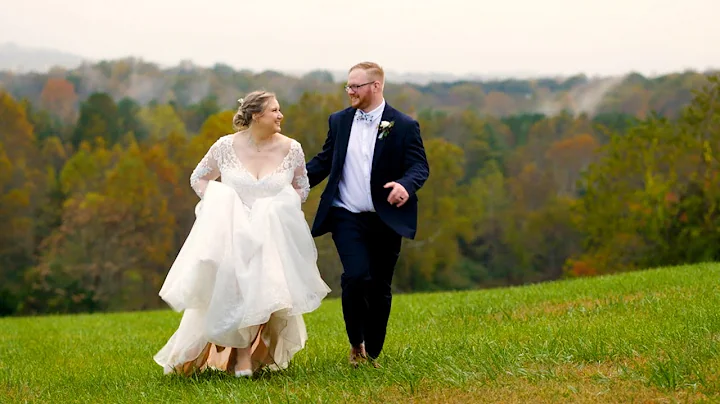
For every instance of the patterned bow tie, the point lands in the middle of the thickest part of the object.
(363, 117)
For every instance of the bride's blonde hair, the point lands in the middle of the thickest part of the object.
(253, 103)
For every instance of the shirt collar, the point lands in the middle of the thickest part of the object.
(377, 112)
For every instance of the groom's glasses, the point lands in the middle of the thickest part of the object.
(355, 87)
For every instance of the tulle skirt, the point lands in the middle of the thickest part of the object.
(243, 277)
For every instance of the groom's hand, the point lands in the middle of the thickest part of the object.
(398, 195)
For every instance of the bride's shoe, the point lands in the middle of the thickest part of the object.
(243, 373)
(246, 363)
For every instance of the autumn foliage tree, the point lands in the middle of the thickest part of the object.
(99, 118)
(59, 97)
(569, 158)
(21, 192)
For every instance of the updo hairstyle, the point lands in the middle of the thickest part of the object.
(253, 103)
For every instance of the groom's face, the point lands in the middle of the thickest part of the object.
(360, 89)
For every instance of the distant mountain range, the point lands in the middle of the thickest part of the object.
(22, 59)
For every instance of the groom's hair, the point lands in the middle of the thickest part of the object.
(373, 70)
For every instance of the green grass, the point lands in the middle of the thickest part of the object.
(636, 337)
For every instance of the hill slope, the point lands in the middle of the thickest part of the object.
(650, 335)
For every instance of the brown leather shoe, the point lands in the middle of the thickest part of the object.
(357, 355)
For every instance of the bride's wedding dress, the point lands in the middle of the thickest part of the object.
(247, 271)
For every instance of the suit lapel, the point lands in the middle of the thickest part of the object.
(344, 136)
(387, 115)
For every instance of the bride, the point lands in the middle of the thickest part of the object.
(247, 271)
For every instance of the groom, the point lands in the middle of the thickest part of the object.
(376, 161)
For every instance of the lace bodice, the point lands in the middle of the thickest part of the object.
(222, 161)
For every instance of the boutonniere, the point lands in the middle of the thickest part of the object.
(384, 128)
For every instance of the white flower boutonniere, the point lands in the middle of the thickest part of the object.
(384, 128)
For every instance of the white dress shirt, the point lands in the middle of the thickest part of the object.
(354, 187)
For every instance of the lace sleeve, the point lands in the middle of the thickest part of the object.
(206, 170)
(300, 181)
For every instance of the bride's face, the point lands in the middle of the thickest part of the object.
(271, 117)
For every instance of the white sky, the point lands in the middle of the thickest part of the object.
(448, 36)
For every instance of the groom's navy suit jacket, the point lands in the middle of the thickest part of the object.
(399, 156)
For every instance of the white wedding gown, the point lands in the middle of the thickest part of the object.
(247, 268)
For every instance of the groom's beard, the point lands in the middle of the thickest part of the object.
(360, 102)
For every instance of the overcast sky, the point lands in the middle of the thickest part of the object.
(449, 36)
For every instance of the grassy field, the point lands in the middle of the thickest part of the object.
(650, 336)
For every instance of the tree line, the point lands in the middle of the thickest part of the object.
(62, 90)
(95, 200)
